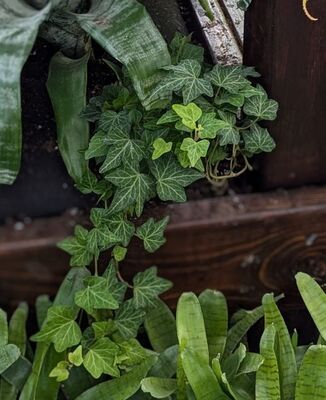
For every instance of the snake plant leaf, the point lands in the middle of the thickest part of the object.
(311, 383)
(215, 313)
(267, 377)
(66, 84)
(160, 326)
(17, 374)
(201, 377)
(314, 299)
(9, 353)
(159, 388)
(126, 31)
(285, 352)
(191, 326)
(166, 364)
(19, 26)
(120, 388)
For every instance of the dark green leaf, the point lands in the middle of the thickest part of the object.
(152, 233)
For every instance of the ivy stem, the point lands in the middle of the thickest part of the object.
(95, 266)
(117, 270)
(243, 128)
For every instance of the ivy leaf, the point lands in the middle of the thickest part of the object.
(77, 247)
(258, 140)
(90, 184)
(228, 77)
(171, 178)
(97, 146)
(168, 117)
(128, 319)
(195, 150)
(115, 287)
(119, 253)
(147, 287)
(112, 122)
(152, 233)
(186, 77)
(182, 49)
(103, 328)
(260, 106)
(229, 134)
(209, 125)
(92, 112)
(100, 358)
(235, 99)
(60, 328)
(131, 353)
(122, 148)
(121, 228)
(76, 357)
(95, 296)
(60, 371)
(101, 238)
(134, 187)
(160, 147)
(189, 114)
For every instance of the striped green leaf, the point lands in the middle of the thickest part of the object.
(215, 312)
(311, 384)
(19, 25)
(125, 30)
(67, 84)
(285, 353)
(314, 299)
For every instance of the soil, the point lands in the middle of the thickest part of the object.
(43, 187)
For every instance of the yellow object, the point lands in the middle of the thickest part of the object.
(305, 9)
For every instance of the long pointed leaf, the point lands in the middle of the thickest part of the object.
(67, 84)
(18, 29)
(126, 31)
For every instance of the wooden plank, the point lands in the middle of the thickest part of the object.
(243, 245)
(289, 51)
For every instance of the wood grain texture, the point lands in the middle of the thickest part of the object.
(243, 245)
(289, 51)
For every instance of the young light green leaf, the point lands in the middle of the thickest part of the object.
(95, 295)
(128, 319)
(185, 76)
(267, 377)
(160, 327)
(152, 233)
(60, 371)
(133, 187)
(131, 353)
(209, 125)
(76, 357)
(159, 388)
(285, 352)
(215, 313)
(261, 107)
(147, 286)
(160, 147)
(60, 328)
(171, 178)
(228, 77)
(195, 150)
(311, 379)
(100, 358)
(119, 253)
(189, 114)
(191, 326)
(258, 140)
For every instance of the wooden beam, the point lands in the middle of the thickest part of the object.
(243, 245)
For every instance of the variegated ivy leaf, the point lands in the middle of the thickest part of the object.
(103, 328)
(209, 125)
(90, 184)
(96, 295)
(77, 247)
(160, 147)
(195, 150)
(147, 287)
(112, 122)
(189, 114)
(60, 371)
(119, 253)
(171, 178)
(152, 233)
(128, 319)
(121, 148)
(130, 353)
(235, 99)
(260, 106)
(228, 77)
(100, 239)
(115, 287)
(60, 328)
(133, 188)
(168, 117)
(229, 134)
(100, 358)
(97, 146)
(258, 140)
(185, 77)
